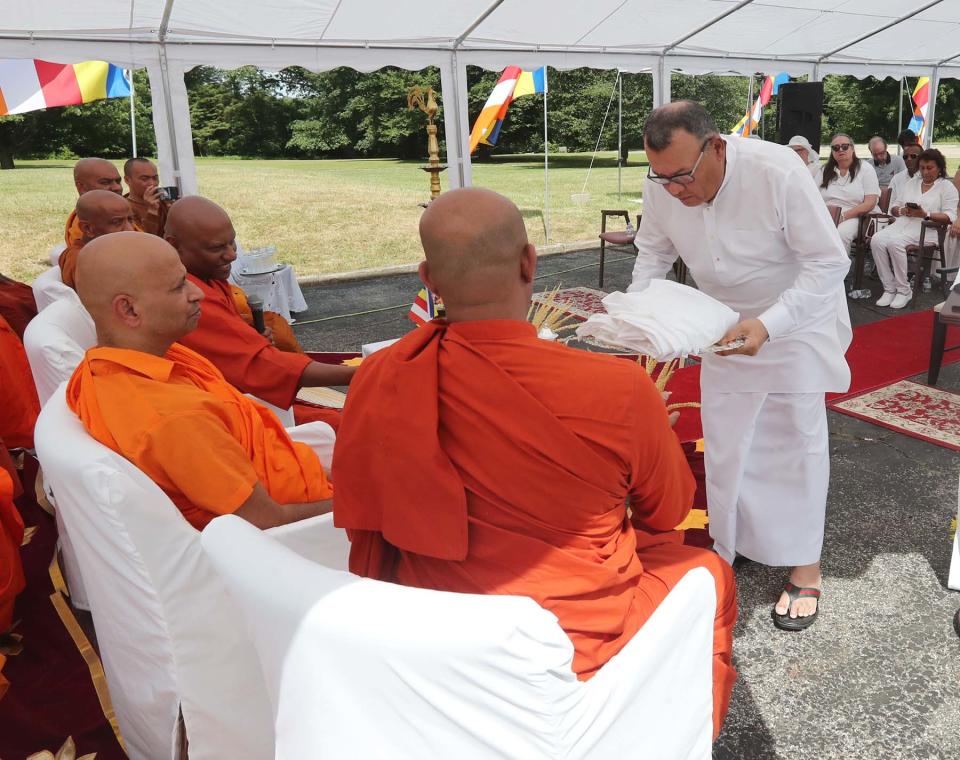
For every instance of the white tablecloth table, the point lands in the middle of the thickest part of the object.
(279, 290)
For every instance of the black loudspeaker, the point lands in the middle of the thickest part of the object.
(799, 110)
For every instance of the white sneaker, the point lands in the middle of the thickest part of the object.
(899, 301)
(886, 299)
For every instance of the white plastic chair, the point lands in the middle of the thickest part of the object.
(54, 254)
(55, 342)
(365, 669)
(49, 287)
(170, 637)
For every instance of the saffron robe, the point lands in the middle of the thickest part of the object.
(504, 465)
(247, 360)
(283, 337)
(150, 220)
(20, 407)
(11, 536)
(17, 304)
(196, 436)
(68, 263)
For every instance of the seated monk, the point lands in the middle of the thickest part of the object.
(20, 407)
(99, 212)
(204, 236)
(167, 409)
(142, 178)
(90, 174)
(12, 580)
(17, 304)
(506, 463)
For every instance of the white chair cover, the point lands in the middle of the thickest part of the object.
(169, 635)
(48, 287)
(55, 342)
(55, 252)
(365, 669)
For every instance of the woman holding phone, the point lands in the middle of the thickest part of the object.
(928, 195)
(849, 183)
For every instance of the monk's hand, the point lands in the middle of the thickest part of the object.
(672, 417)
(268, 334)
(754, 335)
(152, 197)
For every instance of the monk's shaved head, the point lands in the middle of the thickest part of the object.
(136, 290)
(96, 174)
(101, 212)
(476, 248)
(204, 237)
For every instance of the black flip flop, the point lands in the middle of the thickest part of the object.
(787, 623)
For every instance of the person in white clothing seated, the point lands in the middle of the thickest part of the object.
(911, 159)
(928, 195)
(886, 166)
(802, 147)
(849, 183)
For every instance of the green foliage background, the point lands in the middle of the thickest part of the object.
(344, 113)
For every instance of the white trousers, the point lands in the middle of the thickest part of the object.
(951, 252)
(848, 231)
(768, 468)
(889, 248)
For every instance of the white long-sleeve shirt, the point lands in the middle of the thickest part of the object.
(767, 248)
(942, 198)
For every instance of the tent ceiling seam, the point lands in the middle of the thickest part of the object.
(600, 22)
(704, 27)
(330, 20)
(882, 28)
(483, 17)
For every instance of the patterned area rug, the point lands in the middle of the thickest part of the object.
(930, 414)
(580, 302)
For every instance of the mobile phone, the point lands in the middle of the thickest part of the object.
(912, 205)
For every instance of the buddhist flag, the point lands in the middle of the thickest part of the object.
(921, 99)
(424, 307)
(514, 82)
(30, 85)
(770, 87)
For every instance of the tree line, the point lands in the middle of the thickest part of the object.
(343, 113)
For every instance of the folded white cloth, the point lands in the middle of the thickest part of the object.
(666, 320)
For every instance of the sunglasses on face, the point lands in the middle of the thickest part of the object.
(683, 178)
(911, 156)
(840, 147)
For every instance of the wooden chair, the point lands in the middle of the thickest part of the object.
(868, 225)
(944, 315)
(623, 238)
(925, 253)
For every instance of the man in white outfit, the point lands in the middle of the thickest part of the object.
(751, 226)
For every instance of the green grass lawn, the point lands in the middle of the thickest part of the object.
(327, 216)
(335, 216)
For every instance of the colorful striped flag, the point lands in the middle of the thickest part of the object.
(514, 83)
(29, 85)
(424, 307)
(750, 120)
(921, 99)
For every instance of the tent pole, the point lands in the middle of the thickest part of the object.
(620, 137)
(133, 118)
(900, 114)
(546, 164)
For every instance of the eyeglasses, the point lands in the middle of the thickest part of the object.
(840, 147)
(683, 178)
(911, 156)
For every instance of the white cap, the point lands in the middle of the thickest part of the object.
(800, 141)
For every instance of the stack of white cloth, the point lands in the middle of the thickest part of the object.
(666, 321)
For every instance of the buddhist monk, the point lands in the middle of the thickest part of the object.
(203, 235)
(17, 304)
(90, 174)
(12, 580)
(505, 464)
(99, 212)
(144, 195)
(167, 409)
(20, 405)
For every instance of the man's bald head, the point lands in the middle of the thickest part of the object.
(136, 290)
(204, 237)
(478, 255)
(100, 212)
(96, 174)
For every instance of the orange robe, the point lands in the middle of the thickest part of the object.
(246, 358)
(150, 220)
(504, 465)
(283, 337)
(191, 432)
(17, 304)
(11, 536)
(20, 405)
(72, 233)
(68, 263)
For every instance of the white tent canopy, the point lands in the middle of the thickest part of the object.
(859, 37)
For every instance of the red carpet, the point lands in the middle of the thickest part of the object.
(892, 349)
(51, 693)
